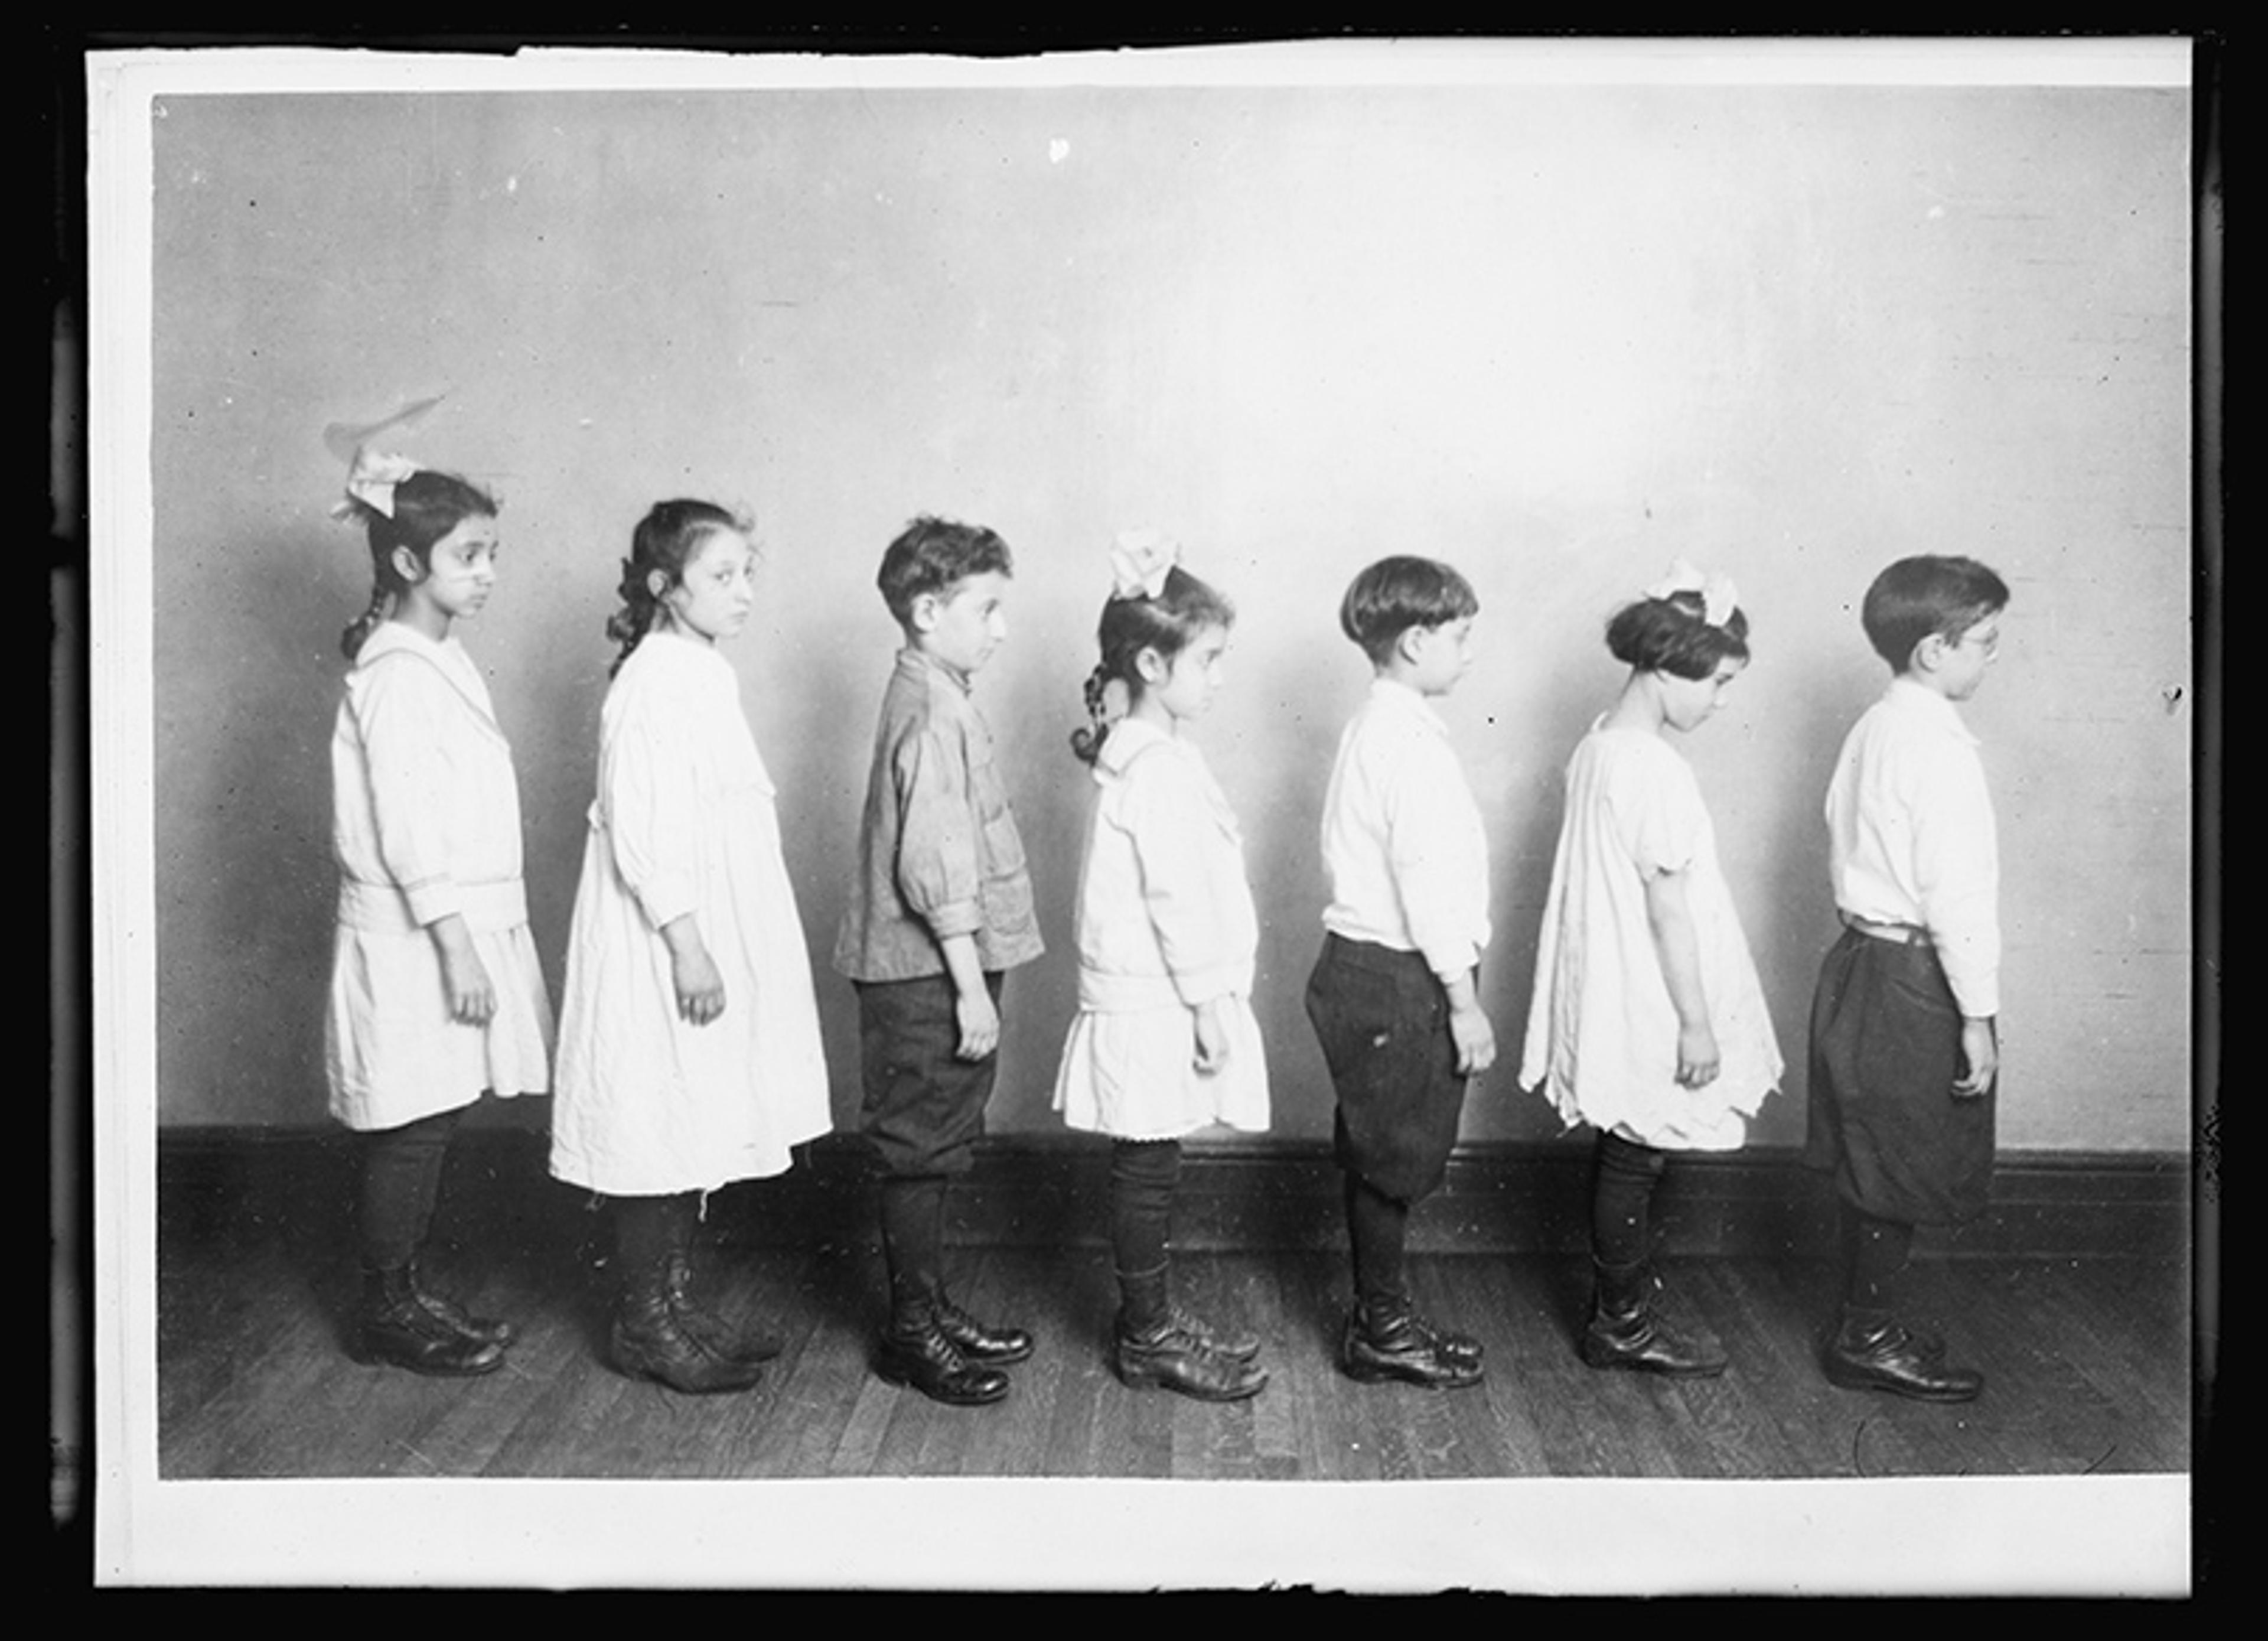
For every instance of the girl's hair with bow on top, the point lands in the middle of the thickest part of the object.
(427, 505)
(1672, 634)
(1168, 623)
(667, 540)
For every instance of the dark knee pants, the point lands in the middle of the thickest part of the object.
(923, 1106)
(1383, 1020)
(1885, 1050)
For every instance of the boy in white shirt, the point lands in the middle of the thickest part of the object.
(1904, 1052)
(1394, 997)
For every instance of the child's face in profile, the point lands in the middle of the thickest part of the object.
(962, 626)
(1439, 656)
(1689, 703)
(460, 570)
(1963, 661)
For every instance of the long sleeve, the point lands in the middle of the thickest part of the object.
(401, 711)
(1186, 859)
(1957, 872)
(1437, 859)
(649, 798)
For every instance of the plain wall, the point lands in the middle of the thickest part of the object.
(1556, 336)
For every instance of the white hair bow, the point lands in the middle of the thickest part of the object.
(370, 482)
(1718, 599)
(371, 474)
(1140, 563)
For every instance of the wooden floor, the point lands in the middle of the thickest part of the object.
(2087, 1362)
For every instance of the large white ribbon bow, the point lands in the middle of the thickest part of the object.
(371, 481)
(1718, 599)
(1140, 563)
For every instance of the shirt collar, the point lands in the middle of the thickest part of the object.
(1128, 740)
(919, 662)
(1397, 697)
(1919, 701)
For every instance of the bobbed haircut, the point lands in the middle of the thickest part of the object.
(1169, 624)
(1924, 596)
(1389, 598)
(1672, 634)
(427, 505)
(935, 555)
(668, 539)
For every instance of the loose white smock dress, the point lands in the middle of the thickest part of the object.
(649, 1104)
(425, 823)
(1166, 922)
(1602, 1029)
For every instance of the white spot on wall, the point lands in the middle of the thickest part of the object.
(1058, 150)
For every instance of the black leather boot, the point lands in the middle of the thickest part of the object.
(745, 1347)
(396, 1328)
(1626, 1330)
(1872, 1351)
(980, 1341)
(917, 1353)
(1391, 1341)
(648, 1340)
(482, 1330)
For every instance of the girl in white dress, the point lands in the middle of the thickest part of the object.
(435, 994)
(690, 1051)
(1649, 1020)
(1165, 1043)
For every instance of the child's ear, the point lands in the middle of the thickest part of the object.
(1929, 654)
(923, 614)
(407, 567)
(1408, 642)
(656, 582)
(1152, 665)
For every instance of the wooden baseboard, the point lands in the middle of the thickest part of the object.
(1041, 1190)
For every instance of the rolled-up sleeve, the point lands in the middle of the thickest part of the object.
(938, 869)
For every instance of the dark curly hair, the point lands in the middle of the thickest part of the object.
(666, 539)
(933, 554)
(427, 505)
(1168, 623)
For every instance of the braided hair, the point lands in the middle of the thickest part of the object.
(1168, 623)
(427, 505)
(666, 539)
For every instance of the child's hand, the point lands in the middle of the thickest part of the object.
(1212, 1038)
(700, 988)
(693, 972)
(979, 1022)
(471, 995)
(1475, 1039)
(464, 978)
(1980, 1052)
(1697, 1055)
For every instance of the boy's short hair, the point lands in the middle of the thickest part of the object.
(1394, 594)
(934, 555)
(1917, 598)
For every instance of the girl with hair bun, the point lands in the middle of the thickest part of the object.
(436, 993)
(1165, 1043)
(1649, 1020)
(689, 1051)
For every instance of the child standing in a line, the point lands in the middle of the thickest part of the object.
(1649, 1020)
(689, 1051)
(436, 993)
(1904, 1058)
(939, 908)
(1394, 997)
(1165, 1043)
